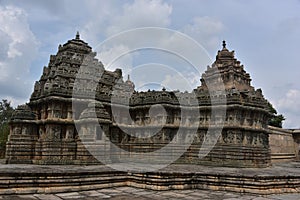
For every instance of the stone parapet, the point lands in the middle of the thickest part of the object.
(282, 144)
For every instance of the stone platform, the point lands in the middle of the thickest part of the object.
(41, 179)
(130, 193)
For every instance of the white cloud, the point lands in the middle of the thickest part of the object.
(141, 13)
(150, 13)
(109, 18)
(289, 106)
(180, 81)
(18, 49)
(206, 30)
(99, 18)
(116, 57)
(162, 47)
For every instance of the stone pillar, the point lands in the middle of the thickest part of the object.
(50, 111)
(69, 114)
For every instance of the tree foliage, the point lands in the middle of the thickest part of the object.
(6, 111)
(4, 132)
(276, 119)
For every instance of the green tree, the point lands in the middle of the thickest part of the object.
(6, 111)
(276, 119)
(4, 132)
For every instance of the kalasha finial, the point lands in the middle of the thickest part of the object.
(128, 77)
(224, 44)
(77, 36)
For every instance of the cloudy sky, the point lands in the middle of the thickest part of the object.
(264, 34)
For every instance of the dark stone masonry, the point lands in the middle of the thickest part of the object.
(75, 86)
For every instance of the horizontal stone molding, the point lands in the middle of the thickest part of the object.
(55, 179)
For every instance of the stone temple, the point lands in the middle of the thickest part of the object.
(54, 127)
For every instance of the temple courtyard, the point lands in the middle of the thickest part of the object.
(86, 132)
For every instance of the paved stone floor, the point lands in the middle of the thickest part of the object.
(123, 193)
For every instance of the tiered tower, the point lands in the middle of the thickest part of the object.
(244, 140)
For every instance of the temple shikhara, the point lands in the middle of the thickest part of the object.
(68, 107)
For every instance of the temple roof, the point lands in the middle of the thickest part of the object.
(76, 44)
(58, 79)
(95, 110)
(224, 54)
(229, 69)
(130, 83)
(23, 112)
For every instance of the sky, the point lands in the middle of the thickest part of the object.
(263, 34)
